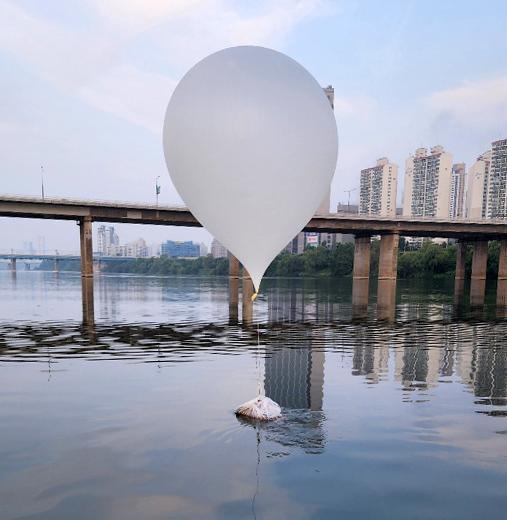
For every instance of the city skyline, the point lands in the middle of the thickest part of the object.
(383, 105)
(435, 187)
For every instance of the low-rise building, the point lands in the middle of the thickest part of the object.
(178, 249)
(135, 249)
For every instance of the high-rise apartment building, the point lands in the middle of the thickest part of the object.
(217, 249)
(377, 195)
(297, 244)
(325, 205)
(478, 187)
(457, 197)
(329, 91)
(428, 183)
(497, 188)
(106, 238)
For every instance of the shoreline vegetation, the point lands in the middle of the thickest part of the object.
(430, 260)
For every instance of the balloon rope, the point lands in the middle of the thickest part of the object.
(257, 472)
(258, 363)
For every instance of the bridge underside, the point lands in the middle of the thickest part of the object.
(57, 209)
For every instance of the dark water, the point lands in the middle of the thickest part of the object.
(132, 418)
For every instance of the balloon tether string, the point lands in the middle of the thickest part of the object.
(258, 363)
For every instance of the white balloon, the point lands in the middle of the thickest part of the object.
(250, 142)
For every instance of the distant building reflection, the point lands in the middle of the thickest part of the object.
(426, 354)
(294, 378)
(369, 359)
(483, 367)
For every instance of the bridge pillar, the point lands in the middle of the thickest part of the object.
(233, 288)
(361, 275)
(85, 233)
(248, 291)
(459, 277)
(479, 267)
(56, 265)
(387, 275)
(12, 265)
(501, 287)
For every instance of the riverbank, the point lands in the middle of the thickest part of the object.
(428, 261)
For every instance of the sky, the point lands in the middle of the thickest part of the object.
(85, 84)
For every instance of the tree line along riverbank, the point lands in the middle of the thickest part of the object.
(429, 260)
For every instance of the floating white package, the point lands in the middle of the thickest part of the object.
(261, 408)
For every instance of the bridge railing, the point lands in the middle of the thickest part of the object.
(93, 202)
(180, 207)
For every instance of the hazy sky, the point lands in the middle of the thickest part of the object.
(84, 87)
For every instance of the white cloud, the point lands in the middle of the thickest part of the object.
(139, 15)
(217, 24)
(95, 66)
(64, 57)
(125, 91)
(356, 107)
(273, 24)
(477, 103)
(269, 19)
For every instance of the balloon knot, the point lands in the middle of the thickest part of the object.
(254, 295)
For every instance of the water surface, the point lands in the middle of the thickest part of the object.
(132, 417)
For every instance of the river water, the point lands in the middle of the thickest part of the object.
(132, 417)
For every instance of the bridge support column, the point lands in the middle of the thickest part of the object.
(233, 288)
(361, 276)
(85, 235)
(479, 266)
(459, 277)
(387, 275)
(248, 291)
(501, 287)
(56, 265)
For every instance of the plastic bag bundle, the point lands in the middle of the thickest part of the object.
(261, 408)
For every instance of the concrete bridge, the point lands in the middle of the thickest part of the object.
(478, 233)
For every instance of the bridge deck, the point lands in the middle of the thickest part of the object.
(103, 211)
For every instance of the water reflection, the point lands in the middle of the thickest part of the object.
(131, 416)
(296, 429)
(423, 354)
